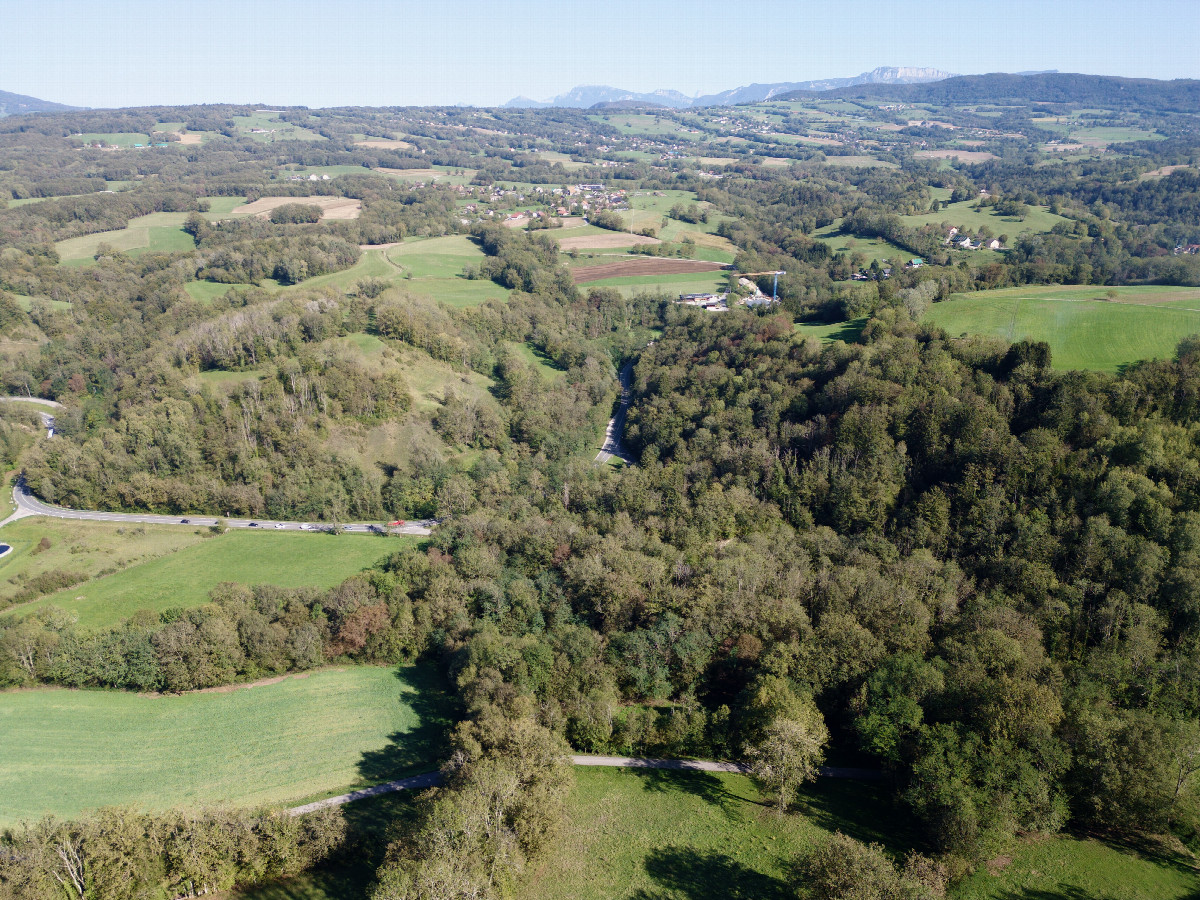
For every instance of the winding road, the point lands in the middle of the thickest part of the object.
(29, 505)
(616, 425)
(429, 779)
(47, 419)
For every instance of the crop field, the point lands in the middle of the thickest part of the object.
(331, 207)
(185, 576)
(606, 241)
(966, 156)
(644, 266)
(282, 741)
(1083, 328)
(689, 283)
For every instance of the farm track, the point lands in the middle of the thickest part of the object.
(429, 779)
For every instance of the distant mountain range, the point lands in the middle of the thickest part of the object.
(586, 96)
(16, 104)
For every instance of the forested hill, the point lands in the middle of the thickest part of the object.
(1181, 95)
(18, 104)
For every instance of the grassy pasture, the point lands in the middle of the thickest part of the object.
(1083, 329)
(116, 139)
(699, 835)
(186, 573)
(870, 247)
(838, 331)
(273, 127)
(155, 232)
(646, 833)
(964, 215)
(64, 751)
(436, 265)
(86, 548)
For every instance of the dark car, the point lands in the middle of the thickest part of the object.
(185, 521)
(253, 524)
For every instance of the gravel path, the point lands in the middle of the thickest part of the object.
(626, 762)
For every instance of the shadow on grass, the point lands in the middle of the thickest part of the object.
(864, 810)
(1061, 892)
(687, 874)
(703, 785)
(419, 748)
(372, 823)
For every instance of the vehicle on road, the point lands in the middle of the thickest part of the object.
(253, 524)
(278, 525)
(304, 526)
(185, 521)
(397, 523)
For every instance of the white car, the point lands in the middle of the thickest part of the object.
(278, 525)
(305, 527)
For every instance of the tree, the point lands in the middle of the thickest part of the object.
(790, 753)
(842, 868)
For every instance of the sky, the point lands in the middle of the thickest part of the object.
(112, 53)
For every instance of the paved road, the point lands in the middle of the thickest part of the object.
(627, 762)
(29, 505)
(47, 419)
(616, 425)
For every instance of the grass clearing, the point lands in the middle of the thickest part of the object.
(435, 266)
(870, 247)
(114, 139)
(849, 331)
(964, 215)
(86, 548)
(699, 835)
(309, 735)
(1083, 328)
(185, 577)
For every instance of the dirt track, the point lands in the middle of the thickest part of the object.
(650, 265)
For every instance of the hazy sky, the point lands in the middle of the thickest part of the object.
(374, 52)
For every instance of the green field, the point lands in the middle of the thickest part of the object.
(64, 751)
(871, 248)
(161, 232)
(1083, 329)
(660, 835)
(963, 215)
(275, 128)
(436, 265)
(84, 548)
(120, 139)
(696, 835)
(184, 578)
(838, 331)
